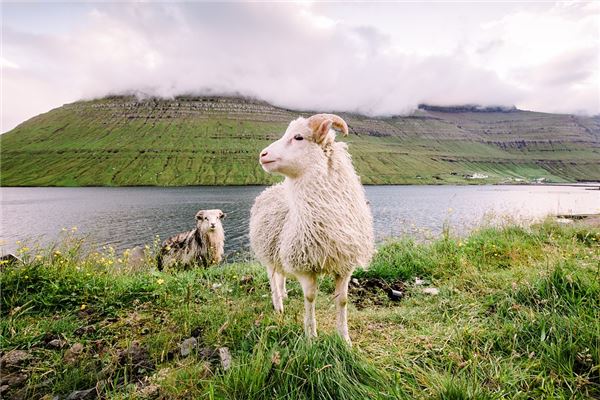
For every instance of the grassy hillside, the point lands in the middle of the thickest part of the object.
(215, 141)
(516, 317)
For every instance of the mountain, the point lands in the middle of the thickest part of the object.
(120, 140)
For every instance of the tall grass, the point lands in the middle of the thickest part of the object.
(516, 317)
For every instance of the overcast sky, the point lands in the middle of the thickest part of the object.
(373, 58)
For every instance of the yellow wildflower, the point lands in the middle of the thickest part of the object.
(83, 307)
(160, 281)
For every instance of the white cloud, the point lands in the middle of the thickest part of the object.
(293, 56)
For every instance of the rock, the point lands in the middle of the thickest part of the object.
(187, 346)
(13, 380)
(9, 259)
(355, 282)
(14, 359)
(431, 290)
(149, 392)
(83, 394)
(225, 357)
(84, 330)
(72, 355)
(395, 295)
(208, 354)
(419, 282)
(56, 344)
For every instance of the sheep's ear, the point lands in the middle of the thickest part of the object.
(322, 130)
(223, 215)
(199, 215)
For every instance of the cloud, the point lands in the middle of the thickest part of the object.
(292, 56)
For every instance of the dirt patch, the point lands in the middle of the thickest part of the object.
(369, 292)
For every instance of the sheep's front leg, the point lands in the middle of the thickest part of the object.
(309, 287)
(275, 291)
(341, 301)
(281, 285)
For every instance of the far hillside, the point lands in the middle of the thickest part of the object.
(123, 141)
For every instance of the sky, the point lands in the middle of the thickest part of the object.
(375, 58)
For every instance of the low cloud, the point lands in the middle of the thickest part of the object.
(291, 56)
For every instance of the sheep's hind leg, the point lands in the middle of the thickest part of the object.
(309, 287)
(275, 291)
(341, 301)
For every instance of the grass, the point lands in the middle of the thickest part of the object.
(516, 318)
(120, 142)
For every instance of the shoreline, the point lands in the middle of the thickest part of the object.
(591, 184)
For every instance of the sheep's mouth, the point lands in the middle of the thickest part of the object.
(267, 162)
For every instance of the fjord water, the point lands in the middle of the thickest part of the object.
(129, 216)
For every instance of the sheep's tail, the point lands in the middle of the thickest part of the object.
(316, 120)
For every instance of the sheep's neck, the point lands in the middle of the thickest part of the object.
(324, 187)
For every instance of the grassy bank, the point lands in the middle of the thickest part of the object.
(516, 317)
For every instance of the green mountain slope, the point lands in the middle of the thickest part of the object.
(215, 141)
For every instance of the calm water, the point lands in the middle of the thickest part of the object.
(126, 217)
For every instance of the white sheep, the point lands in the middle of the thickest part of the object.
(202, 245)
(317, 220)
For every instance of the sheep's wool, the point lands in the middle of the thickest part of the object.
(319, 222)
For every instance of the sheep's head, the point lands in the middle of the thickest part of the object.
(209, 220)
(304, 143)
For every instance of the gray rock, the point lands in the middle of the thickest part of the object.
(72, 354)
(225, 357)
(83, 394)
(14, 359)
(431, 290)
(149, 392)
(56, 344)
(395, 295)
(10, 260)
(13, 380)
(187, 346)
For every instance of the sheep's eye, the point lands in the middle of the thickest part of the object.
(206, 218)
(298, 137)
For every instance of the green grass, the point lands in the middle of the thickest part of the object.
(516, 318)
(120, 142)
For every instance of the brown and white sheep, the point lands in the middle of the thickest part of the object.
(201, 246)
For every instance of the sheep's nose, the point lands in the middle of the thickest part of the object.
(264, 153)
(212, 225)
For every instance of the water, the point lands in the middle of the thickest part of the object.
(126, 217)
